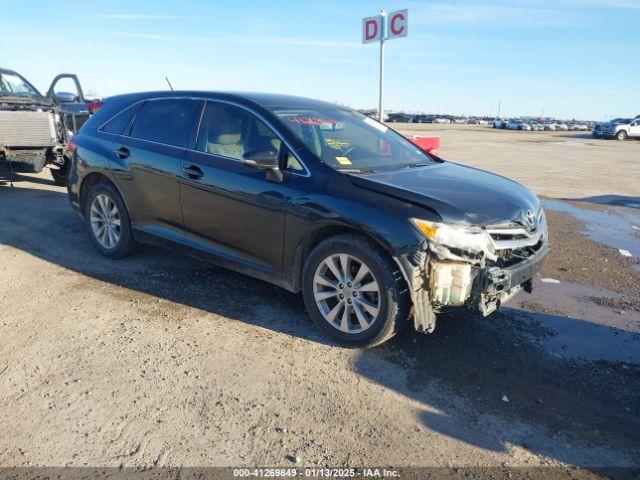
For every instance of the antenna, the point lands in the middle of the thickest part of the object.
(167, 79)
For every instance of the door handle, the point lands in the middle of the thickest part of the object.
(192, 171)
(122, 152)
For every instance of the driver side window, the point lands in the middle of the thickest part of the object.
(230, 131)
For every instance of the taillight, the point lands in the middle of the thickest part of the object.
(94, 106)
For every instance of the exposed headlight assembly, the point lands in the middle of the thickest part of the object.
(465, 238)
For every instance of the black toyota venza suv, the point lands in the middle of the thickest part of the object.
(312, 197)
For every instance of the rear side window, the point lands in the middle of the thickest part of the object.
(121, 121)
(166, 121)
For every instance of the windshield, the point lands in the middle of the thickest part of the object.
(12, 85)
(347, 140)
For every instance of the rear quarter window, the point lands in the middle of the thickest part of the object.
(167, 121)
(119, 122)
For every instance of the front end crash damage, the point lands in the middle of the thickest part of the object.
(467, 271)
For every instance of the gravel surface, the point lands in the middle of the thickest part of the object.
(160, 360)
(568, 165)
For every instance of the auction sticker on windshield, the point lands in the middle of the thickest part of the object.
(343, 160)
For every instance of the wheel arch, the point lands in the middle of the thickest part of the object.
(92, 179)
(314, 238)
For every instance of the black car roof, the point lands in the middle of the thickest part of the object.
(262, 99)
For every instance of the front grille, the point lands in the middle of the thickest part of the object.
(514, 243)
(508, 258)
(509, 238)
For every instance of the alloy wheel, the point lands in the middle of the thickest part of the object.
(347, 293)
(105, 221)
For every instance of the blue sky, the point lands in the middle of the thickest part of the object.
(574, 58)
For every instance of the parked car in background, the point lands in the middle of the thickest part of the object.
(399, 117)
(324, 201)
(514, 124)
(562, 126)
(423, 118)
(622, 130)
(499, 123)
(35, 128)
(549, 127)
(598, 129)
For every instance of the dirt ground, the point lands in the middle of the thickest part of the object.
(160, 360)
(569, 165)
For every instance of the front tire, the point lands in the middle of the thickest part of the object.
(353, 292)
(621, 135)
(108, 221)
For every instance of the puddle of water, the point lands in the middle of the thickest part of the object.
(615, 230)
(568, 144)
(573, 300)
(581, 328)
(577, 338)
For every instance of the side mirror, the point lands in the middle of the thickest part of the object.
(66, 97)
(266, 158)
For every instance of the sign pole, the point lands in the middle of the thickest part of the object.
(377, 28)
(383, 15)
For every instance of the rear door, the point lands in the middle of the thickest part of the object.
(147, 164)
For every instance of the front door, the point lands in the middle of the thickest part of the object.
(230, 209)
(634, 128)
(67, 90)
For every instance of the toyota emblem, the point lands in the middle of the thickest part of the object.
(530, 219)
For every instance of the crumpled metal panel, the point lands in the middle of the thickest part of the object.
(20, 129)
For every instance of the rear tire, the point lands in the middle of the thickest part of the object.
(621, 135)
(389, 298)
(108, 221)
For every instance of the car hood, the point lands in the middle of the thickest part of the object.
(458, 194)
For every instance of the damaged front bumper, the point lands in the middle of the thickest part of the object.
(436, 283)
(494, 285)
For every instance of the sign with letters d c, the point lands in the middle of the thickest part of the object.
(371, 29)
(398, 24)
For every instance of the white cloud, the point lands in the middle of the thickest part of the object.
(488, 13)
(148, 36)
(243, 40)
(141, 16)
(291, 42)
(623, 4)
